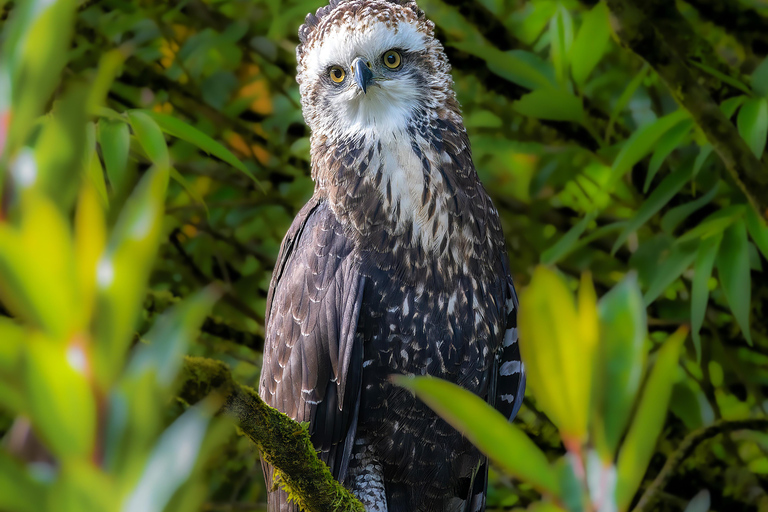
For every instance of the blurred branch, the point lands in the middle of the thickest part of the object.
(283, 443)
(686, 448)
(639, 33)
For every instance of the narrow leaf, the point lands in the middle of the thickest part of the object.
(758, 231)
(753, 124)
(721, 76)
(676, 215)
(590, 43)
(638, 446)
(508, 65)
(561, 39)
(505, 444)
(705, 260)
(115, 142)
(551, 104)
(623, 100)
(668, 270)
(150, 137)
(733, 268)
(566, 243)
(715, 223)
(668, 144)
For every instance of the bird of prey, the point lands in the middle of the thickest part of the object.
(396, 265)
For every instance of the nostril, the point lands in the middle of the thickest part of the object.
(368, 64)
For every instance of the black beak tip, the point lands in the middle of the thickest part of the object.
(363, 75)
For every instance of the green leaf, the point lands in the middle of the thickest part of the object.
(760, 78)
(753, 124)
(150, 137)
(170, 463)
(758, 231)
(701, 158)
(621, 355)
(505, 444)
(669, 269)
(509, 65)
(676, 215)
(190, 190)
(643, 141)
(124, 268)
(590, 43)
(551, 104)
(566, 243)
(184, 131)
(721, 76)
(663, 149)
(733, 268)
(561, 39)
(19, 490)
(705, 260)
(729, 106)
(638, 446)
(715, 223)
(699, 503)
(92, 165)
(115, 141)
(655, 202)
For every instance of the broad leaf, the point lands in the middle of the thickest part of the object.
(551, 104)
(753, 124)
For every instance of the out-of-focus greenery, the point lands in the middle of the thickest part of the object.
(150, 149)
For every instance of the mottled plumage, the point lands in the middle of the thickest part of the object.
(397, 265)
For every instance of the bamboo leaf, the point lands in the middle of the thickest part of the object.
(561, 40)
(733, 268)
(566, 242)
(150, 137)
(115, 142)
(590, 43)
(509, 65)
(551, 104)
(672, 140)
(505, 444)
(705, 261)
(676, 215)
(669, 269)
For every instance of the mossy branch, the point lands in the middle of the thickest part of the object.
(639, 33)
(283, 442)
(686, 448)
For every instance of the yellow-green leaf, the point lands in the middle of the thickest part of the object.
(590, 43)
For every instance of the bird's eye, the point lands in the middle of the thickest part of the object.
(337, 74)
(392, 59)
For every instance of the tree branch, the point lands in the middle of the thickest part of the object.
(638, 33)
(283, 443)
(686, 448)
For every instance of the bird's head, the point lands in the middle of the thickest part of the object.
(371, 67)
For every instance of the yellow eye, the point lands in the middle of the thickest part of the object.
(392, 59)
(337, 74)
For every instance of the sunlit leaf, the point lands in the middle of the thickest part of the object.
(551, 104)
(705, 260)
(753, 124)
(638, 446)
(19, 491)
(733, 269)
(590, 43)
(505, 444)
(621, 357)
(561, 39)
(90, 240)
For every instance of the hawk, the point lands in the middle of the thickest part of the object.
(396, 265)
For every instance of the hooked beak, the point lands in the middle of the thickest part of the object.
(362, 73)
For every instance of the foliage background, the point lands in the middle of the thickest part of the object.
(582, 144)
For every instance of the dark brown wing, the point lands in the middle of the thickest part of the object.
(312, 356)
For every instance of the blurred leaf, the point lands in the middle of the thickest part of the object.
(666, 145)
(184, 131)
(655, 202)
(678, 214)
(150, 137)
(571, 487)
(566, 242)
(638, 446)
(110, 66)
(621, 356)
(590, 44)
(19, 492)
(61, 403)
(561, 40)
(90, 240)
(124, 268)
(643, 141)
(557, 356)
(753, 124)
(623, 100)
(701, 158)
(505, 444)
(757, 230)
(169, 338)
(733, 268)
(551, 104)
(92, 165)
(170, 463)
(670, 268)
(760, 78)
(196, 197)
(115, 141)
(685, 405)
(12, 349)
(35, 286)
(705, 260)
(699, 503)
(730, 105)
(508, 65)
